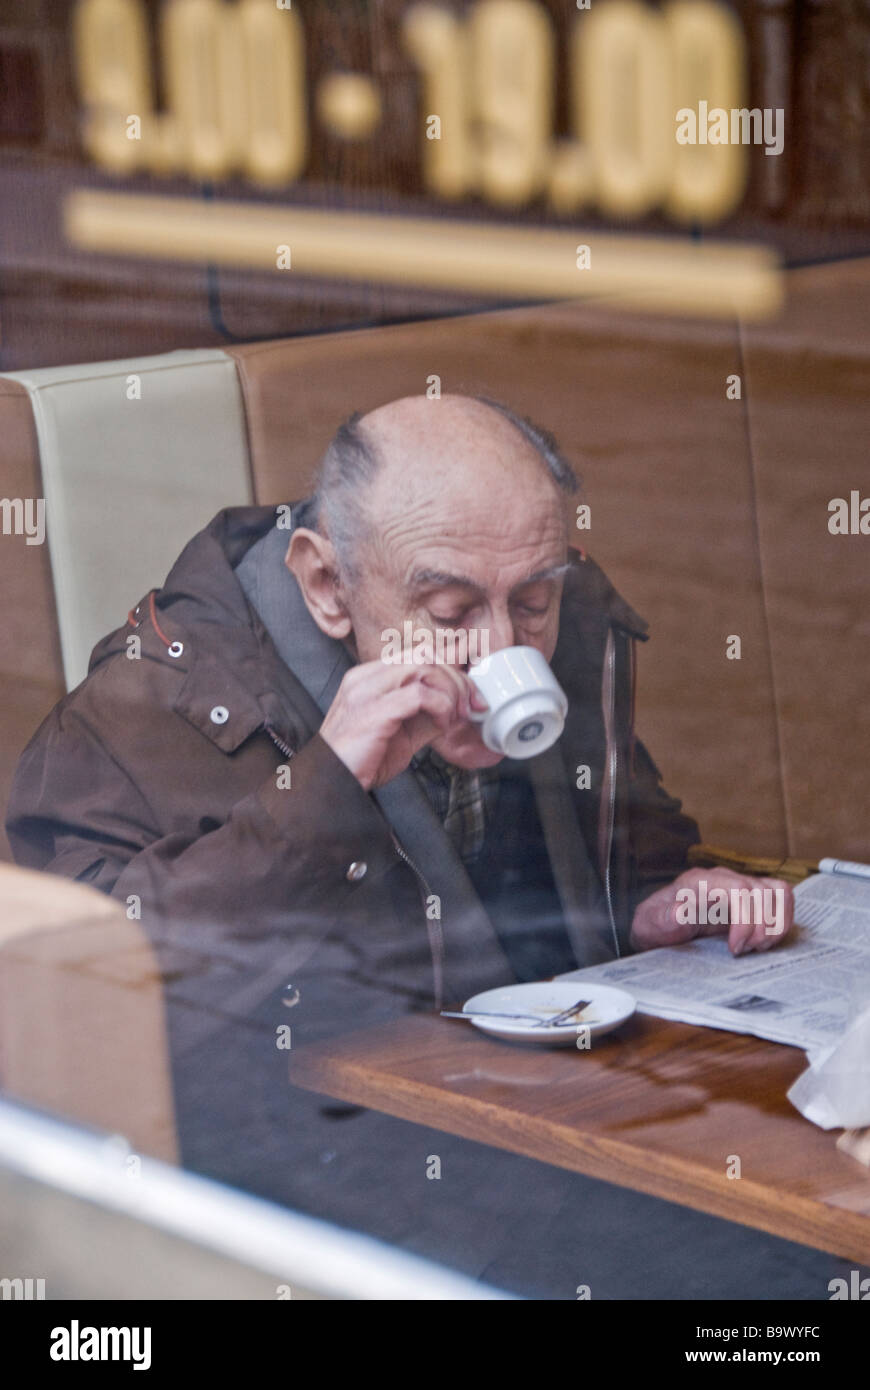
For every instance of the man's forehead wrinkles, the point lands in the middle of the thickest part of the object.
(473, 555)
(469, 520)
(443, 527)
(413, 517)
(426, 543)
(430, 578)
(456, 535)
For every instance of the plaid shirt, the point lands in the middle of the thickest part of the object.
(463, 800)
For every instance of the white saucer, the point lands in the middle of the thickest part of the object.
(608, 1008)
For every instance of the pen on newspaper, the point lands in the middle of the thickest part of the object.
(844, 866)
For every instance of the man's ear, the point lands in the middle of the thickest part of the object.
(311, 558)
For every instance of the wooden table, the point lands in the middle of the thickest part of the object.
(659, 1107)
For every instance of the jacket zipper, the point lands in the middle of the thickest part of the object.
(279, 742)
(613, 760)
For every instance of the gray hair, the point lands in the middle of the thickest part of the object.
(544, 442)
(351, 461)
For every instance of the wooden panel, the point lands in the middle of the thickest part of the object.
(806, 384)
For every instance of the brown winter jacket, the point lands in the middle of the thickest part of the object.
(158, 781)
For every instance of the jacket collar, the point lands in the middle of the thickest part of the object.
(590, 603)
(319, 662)
(204, 608)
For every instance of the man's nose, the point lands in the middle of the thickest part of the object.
(500, 632)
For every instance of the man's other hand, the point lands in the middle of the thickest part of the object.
(683, 910)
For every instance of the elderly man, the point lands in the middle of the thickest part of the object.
(254, 773)
(299, 822)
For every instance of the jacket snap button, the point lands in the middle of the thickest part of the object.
(175, 649)
(219, 715)
(356, 871)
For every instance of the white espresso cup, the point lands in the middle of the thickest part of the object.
(527, 705)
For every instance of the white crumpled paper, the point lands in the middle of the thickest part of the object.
(834, 1091)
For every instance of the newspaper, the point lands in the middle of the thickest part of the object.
(805, 992)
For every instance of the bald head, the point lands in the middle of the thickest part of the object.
(412, 451)
(414, 435)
